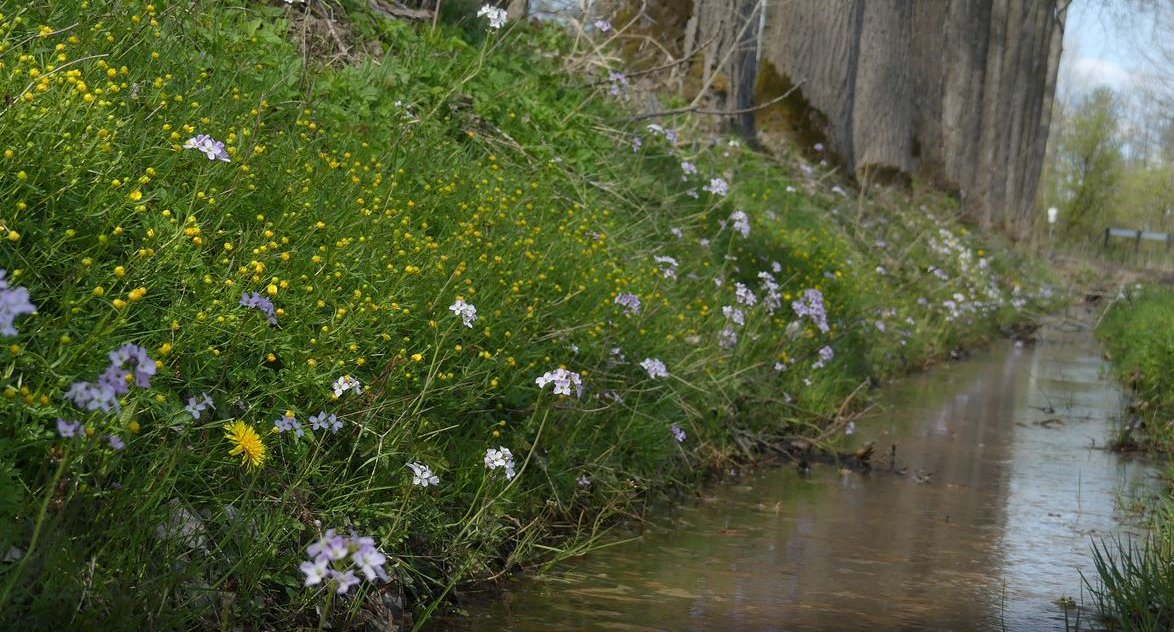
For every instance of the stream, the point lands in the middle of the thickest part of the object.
(983, 522)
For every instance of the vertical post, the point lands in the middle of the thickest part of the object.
(1169, 241)
(1107, 238)
(1137, 243)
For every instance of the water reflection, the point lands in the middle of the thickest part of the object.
(982, 524)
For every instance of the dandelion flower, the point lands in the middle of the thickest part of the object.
(245, 442)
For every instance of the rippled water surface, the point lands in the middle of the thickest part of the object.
(984, 524)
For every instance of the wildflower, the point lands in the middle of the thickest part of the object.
(668, 266)
(422, 475)
(677, 232)
(744, 296)
(92, 396)
(13, 302)
(256, 301)
(850, 428)
(678, 433)
(246, 442)
(630, 303)
(654, 367)
(734, 315)
(322, 421)
(811, 305)
(717, 186)
(688, 168)
(562, 380)
(328, 563)
(501, 458)
(289, 422)
(198, 404)
(741, 223)
(465, 311)
(144, 366)
(618, 83)
(346, 383)
(603, 26)
(771, 299)
(583, 480)
(497, 17)
(68, 429)
(825, 355)
(115, 442)
(210, 147)
(727, 338)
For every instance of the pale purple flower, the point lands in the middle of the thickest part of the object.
(678, 433)
(667, 265)
(501, 458)
(630, 303)
(826, 354)
(316, 570)
(13, 302)
(256, 301)
(344, 579)
(496, 16)
(655, 368)
(811, 305)
(563, 380)
(728, 338)
(68, 429)
(198, 404)
(466, 312)
(213, 149)
(144, 366)
(92, 396)
(322, 421)
(583, 480)
(369, 560)
(346, 383)
(717, 186)
(115, 442)
(289, 423)
(677, 232)
(617, 83)
(744, 296)
(603, 26)
(422, 475)
(688, 168)
(741, 223)
(734, 315)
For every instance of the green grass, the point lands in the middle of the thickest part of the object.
(1139, 335)
(363, 200)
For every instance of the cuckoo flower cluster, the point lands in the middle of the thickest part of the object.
(466, 312)
(630, 303)
(811, 305)
(256, 301)
(128, 364)
(13, 302)
(205, 144)
(500, 459)
(562, 380)
(338, 561)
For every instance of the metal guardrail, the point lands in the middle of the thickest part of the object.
(1138, 235)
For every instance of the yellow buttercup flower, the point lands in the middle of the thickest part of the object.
(246, 442)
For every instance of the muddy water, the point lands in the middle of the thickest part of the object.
(983, 524)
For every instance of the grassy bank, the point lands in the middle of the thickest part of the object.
(1134, 583)
(400, 264)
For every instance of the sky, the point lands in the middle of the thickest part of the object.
(1097, 50)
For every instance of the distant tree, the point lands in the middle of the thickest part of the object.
(1089, 163)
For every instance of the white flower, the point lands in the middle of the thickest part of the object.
(422, 475)
(741, 223)
(465, 311)
(562, 380)
(717, 186)
(497, 17)
(316, 571)
(501, 458)
(346, 383)
(654, 367)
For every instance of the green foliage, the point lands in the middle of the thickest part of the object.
(1090, 164)
(363, 200)
(1133, 589)
(1139, 336)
